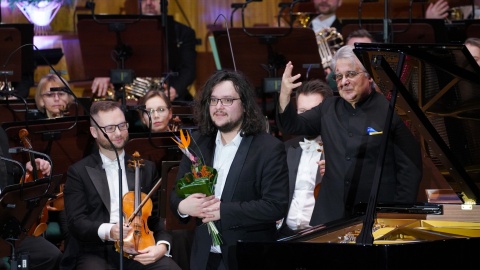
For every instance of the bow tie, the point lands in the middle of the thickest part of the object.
(310, 146)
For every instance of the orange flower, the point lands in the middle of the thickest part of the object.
(204, 172)
(185, 140)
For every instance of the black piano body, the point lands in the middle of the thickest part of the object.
(438, 95)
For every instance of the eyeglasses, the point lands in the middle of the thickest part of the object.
(53, 94)
(224, 101)
(158, 110)
(112, 128)
(348, 75)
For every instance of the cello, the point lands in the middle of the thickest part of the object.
(40, 226)
(138, 207)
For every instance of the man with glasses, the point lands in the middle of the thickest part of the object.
(251, 192)
(352, 127)
(92, 199)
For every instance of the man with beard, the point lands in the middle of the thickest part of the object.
(327, 17)
(251, 192)
(92, 199)
(351, 127)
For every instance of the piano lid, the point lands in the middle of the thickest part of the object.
(438, 96)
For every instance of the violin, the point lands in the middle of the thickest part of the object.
(40, 226)
(317, 186)
(138, 207)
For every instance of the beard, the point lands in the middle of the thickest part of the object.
(230, 126)
(105, 144)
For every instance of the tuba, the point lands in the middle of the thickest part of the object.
(328, 41)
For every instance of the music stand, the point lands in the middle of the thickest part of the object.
(263, 52)
(400, 30)
(66, 140)
(20, 207)
(12, 36)
(273, 46)
(15, 110)
(143, 38)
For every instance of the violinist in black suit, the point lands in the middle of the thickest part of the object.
(304, 155)
(92, 205)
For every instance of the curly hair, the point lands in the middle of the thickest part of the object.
(253, 120)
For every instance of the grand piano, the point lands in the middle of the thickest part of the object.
(436, 90)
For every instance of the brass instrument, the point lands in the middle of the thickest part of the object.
(328, 41)
(141, 86)
(455, 14)
(302, 19)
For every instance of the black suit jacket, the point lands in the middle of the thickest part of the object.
(87, 201)
(255, 196)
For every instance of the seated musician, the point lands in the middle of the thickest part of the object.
(327, 15)
(159, 107)
(303, 155)
(184, 60)
(52, 104)
(42, 254)
(92, 201)
(351, 127)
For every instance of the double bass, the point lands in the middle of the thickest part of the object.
(137, 206)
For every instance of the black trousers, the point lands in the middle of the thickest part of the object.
(216, 262)
(105, 257)
(42, 254)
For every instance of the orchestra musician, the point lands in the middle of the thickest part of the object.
(351, 127)
(92, 200)
(303, 155)
(52, 104)
(183, 53)
(42, 254)
(159, 107)
(327, 15)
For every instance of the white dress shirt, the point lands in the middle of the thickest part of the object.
(318, 24)
(223, 158)
(303, 200)
(111, 169)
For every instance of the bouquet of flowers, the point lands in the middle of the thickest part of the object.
(201, 179)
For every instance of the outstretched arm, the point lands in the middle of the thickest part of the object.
(288, 84)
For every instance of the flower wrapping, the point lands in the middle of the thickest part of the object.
(201, 179)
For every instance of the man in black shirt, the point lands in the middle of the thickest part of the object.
(351, 127)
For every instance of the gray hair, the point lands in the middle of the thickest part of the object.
(346, 52)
